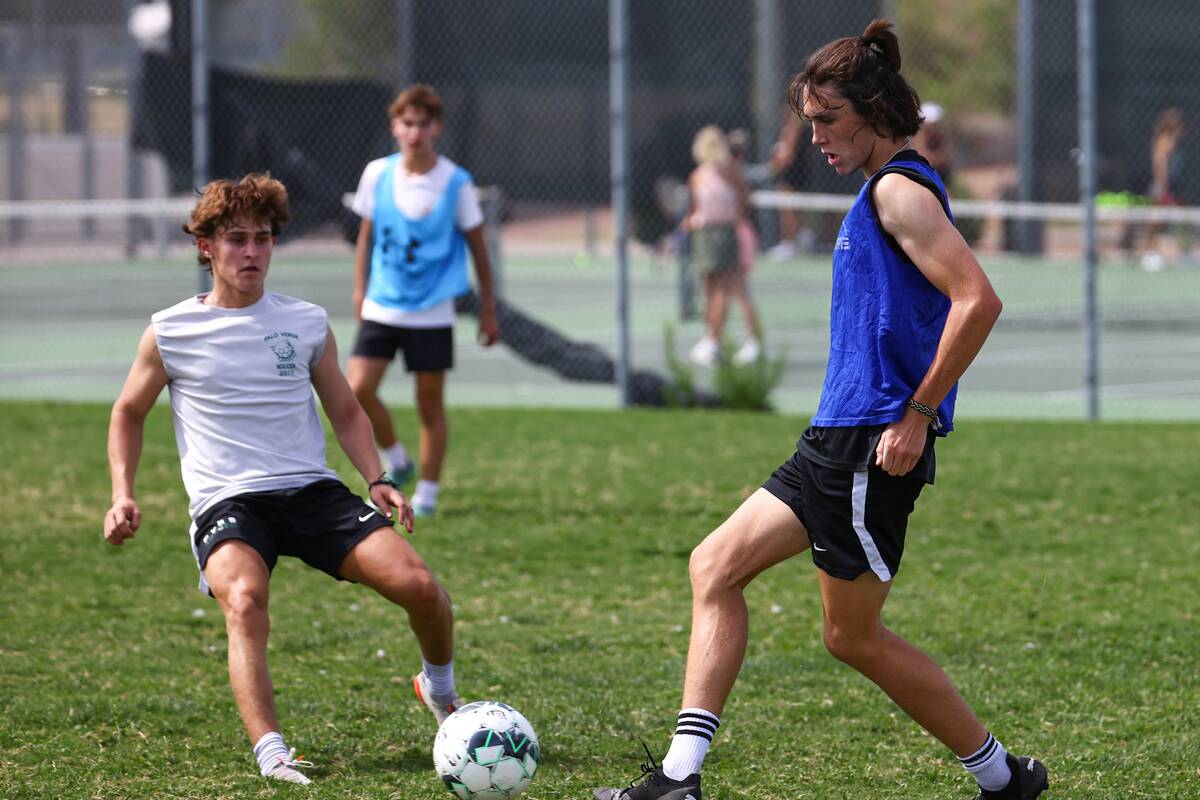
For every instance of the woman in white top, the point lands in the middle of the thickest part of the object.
(719, 199)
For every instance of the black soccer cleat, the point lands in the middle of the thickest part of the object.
(653, 784)
(1028, 780)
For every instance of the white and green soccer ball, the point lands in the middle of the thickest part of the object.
(486, 751)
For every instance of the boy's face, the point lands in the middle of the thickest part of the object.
(240, 254)
(416, 132)
(838, 130)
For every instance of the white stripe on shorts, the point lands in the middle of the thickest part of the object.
(858, 510)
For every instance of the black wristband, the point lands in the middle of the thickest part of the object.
(934, 421)
(382, 480)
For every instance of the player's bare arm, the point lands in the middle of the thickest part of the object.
(915, 218)
(489, 326)
(145, 383)
(362, 265)
(353, 431)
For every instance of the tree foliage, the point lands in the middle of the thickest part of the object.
(962, 55)
(344, 40)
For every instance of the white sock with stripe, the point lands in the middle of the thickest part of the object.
(693, 734)
(989, 765)
(269, 750)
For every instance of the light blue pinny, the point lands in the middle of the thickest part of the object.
(416, 263)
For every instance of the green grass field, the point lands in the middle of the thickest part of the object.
(1051, 571)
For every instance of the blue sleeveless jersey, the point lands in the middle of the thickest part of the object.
(416, 263)
(886, 318)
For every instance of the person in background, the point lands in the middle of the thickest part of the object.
(1166, 168)
(933, 141)
(789, 167)
(747, 235)
(719, 200)
(420, 214)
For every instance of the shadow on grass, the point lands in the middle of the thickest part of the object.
(412, 759)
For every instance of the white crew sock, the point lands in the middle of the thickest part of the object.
(396, 455)
(441, 679)
(989, 765)
(425, 494)
(693, 734)
(269, 750)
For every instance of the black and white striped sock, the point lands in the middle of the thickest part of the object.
(694, 732)
(989, 765)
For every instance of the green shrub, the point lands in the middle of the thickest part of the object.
(747, 386)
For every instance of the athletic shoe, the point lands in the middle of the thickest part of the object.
(425, 695)
(783, 251)
(748, 353)
(403, 474)
(423, 511)
(653, 784)
(286, 769)
(705, 352)
(1153, 262)
(1028, 780)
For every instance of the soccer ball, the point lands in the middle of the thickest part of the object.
(486, 751)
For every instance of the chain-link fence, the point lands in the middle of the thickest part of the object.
(98, 104)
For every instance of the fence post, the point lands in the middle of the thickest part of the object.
(77, 113)
(16, 130)
(493, 211)
(770, 73)
(618, 38)
(200, 120)
(1087, 196)
(1026, 141)
(405, 24)
(683, 246)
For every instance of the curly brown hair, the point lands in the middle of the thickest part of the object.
(257, 197)
(866, 71)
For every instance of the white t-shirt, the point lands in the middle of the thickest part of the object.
(415, 196)
(242, 396)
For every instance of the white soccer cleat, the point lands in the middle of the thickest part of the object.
(286, 769)
(424, 693)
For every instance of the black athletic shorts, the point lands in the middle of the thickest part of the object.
(425, 349)
(856, 520)
(319, 523)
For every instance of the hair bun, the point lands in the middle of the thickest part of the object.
(881, 40)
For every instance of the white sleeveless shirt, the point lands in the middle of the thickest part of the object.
(242, 397)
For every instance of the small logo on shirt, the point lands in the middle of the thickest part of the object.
(842, 243)
(409, 248)
(282, 344)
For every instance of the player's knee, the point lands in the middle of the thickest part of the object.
(709, 569)
(418, 591)
(849, 645)
(363, 391)
(245, 605)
